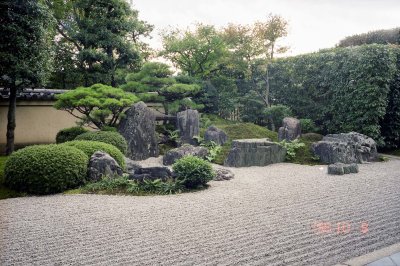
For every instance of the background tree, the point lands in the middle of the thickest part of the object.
(25, 51)
(154, 82)
(100, 105)
(196, 53)
(105, 37)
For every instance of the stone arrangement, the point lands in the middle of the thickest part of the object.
(223, 174)
(290, 129)
(254, 152)
(341, 168)
(173, 155)
(151, 173)
(215, 134)
(187, 123)
(346, 148)
(139, 129)
(101, 164)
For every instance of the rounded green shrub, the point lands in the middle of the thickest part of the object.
(89, 147)
(46, 169)
(308, 125)
(68, 134)
(193, 171)
(113, 138)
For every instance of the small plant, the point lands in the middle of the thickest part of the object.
(383, 158)
(193, 171)
(291, 148)
(68, 134)
(110, 137)
(173, 135)
(308, 125)
(213, 148)
(172, 186)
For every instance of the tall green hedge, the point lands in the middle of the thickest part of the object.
(341, 89)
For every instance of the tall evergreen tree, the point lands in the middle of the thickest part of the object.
(25, 51)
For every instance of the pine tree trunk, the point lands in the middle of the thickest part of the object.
(11, 121)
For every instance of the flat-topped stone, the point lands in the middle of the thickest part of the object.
(254, 152)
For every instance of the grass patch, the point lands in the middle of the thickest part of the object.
(5, 192)
(237, 130)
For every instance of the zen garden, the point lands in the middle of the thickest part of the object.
(214, 149)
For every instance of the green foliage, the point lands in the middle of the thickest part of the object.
(113, 138)
(26, 43)
(197, 53)
(46, 169)
(99, 104)
(193, 171)
(391, 36)
(277, 113)
(313, 137)
(341, 89)
(68, 134)
(291, 148)
(122, 185)
(6, 192)
(308, 126)
(213, 148)
(90, 147)
(105, 38)
(109, 129)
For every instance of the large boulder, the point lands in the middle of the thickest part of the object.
(151, 173)
(290, 129)
(346, 148)
(254, 152)
(215, 134)
(175, 154)
(101, 164)
(139, 129)
(188, 123)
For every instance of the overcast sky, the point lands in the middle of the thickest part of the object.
(313, 24)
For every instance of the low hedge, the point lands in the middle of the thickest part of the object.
(46, 169)
(90, 147)
(113, 138)
(68, 134)
(193, 171)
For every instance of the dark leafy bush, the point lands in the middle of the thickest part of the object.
(341, 89)
(312, 137)
(109, 128)
(277, 113)
(89, 147)
(307, 125)
(391, 36)
(193, 171)
(46, 169)
(68, 134)
(113, 138)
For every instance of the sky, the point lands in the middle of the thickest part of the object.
(313, 24)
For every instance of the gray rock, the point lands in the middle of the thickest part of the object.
(346, 148)
(101, 164)
(341, 168)
(254, 152)
(151, 173)
(215, 134)
(290, 129)
(223, 174)
(139, 129)
(131, 166)
(187, 123)
(175, 154)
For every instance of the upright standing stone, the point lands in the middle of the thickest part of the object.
(290, 129)
(139, 129)
(188, 125)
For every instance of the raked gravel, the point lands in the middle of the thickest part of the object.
(265, 216)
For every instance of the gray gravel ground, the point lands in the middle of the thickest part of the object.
(265, 216)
